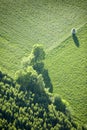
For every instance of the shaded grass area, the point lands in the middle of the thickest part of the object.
(75, 39)
(68, 70)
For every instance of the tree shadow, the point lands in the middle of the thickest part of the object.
(75, 39)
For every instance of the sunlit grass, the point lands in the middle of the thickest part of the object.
(67, 67)
(25, 22)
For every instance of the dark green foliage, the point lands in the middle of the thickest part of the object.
(39, 67)
(47, 80)
(60, 105)
(26, 78)
(29, 110)
(36, 61)
(30, 80)
(1, 75)
(38, 53)
(6, 79)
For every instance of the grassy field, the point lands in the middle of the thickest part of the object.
(27, 22)
(67, 65)
(24, 23)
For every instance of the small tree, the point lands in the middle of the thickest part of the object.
(38, 53)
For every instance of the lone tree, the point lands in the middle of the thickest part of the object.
(38, 52)
(73, 31)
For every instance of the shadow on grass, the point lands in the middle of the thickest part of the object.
(75, 39)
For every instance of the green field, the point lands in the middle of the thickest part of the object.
(67, 65)
(24, 23)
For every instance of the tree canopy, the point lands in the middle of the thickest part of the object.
(36, 60)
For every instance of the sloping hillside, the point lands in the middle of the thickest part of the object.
(67, 65)
(27, 22)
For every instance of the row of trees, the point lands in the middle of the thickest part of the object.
(36, 60)
(26, 102)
